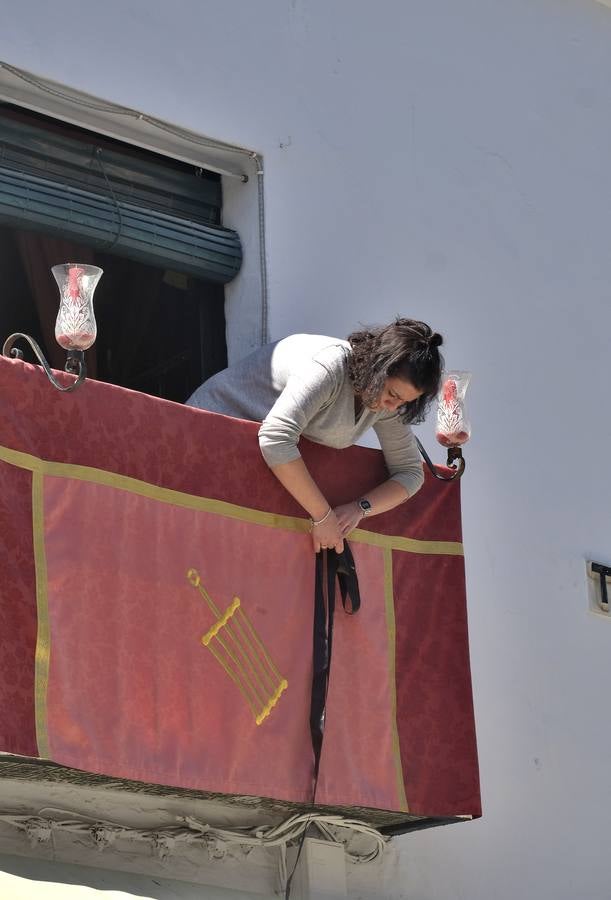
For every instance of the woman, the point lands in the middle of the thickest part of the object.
(332, 391)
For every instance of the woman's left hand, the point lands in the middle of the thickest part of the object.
(348, 517)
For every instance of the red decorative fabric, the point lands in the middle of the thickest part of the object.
(209, 456)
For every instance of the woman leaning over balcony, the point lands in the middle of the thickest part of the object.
(332, 391)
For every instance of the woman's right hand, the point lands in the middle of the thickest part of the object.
(328, 535)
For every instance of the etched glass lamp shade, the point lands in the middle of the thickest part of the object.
(75, 327)
(453, 428)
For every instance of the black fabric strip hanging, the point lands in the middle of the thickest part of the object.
(329, 567)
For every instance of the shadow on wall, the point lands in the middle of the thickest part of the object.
(38, 879)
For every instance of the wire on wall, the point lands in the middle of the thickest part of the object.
(262, 253)
(165, 840)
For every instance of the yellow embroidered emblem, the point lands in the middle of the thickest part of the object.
(237, 647)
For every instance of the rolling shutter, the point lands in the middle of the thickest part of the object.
(142, 209)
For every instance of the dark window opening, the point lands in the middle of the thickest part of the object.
(160, 330)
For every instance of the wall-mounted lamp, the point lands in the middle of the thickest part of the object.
(453, 430)
(75, 326)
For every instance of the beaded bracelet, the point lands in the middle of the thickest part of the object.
(320, 521)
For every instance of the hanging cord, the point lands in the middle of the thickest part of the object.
(286, 880)
(331, 567)
(98, 156)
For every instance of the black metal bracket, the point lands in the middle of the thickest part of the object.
(604, 572)
(75, 362)
(455, 461)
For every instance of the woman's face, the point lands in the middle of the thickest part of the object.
(395, 393)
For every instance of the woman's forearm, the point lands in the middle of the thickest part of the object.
(385, 496)
(382, 498)
(296, 479)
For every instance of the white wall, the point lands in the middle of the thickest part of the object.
(449, 160)
(39, 879)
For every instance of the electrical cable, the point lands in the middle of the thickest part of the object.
(191, 832)
(262, 254)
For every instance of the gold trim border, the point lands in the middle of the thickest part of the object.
(219, 507)
(391, 632)
(43, 638)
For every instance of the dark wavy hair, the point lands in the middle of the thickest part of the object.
(405, 349)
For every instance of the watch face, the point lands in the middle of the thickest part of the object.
(365, 506)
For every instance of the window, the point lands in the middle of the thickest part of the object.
(153, 224)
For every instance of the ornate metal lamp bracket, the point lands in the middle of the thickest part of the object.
(75, 361)
(455, 461)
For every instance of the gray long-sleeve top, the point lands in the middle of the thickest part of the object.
(300, 385)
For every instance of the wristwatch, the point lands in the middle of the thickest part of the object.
(365, 507)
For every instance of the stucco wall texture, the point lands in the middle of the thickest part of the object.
(449, 161)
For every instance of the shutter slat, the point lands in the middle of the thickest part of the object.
(71, 160)
(147, 235)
